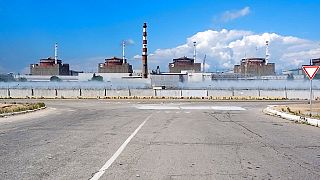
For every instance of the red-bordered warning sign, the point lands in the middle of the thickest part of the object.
(311, 71)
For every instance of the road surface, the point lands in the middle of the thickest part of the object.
(100, 139)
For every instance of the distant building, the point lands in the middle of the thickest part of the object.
(115, 65)
(315, 62)
(255, 67)
(50, 67)
(184, 64)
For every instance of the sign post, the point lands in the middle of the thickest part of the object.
(311, 72)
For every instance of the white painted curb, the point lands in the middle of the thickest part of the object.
(269, 110)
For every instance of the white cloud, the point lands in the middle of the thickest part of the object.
(226, 48)
(231, 15)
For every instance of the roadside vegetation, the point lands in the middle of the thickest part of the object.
(17, 107)
(301, 110)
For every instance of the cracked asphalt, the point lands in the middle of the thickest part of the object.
(73, 139)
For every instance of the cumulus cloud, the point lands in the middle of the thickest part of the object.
(231, 15)
(225, 48)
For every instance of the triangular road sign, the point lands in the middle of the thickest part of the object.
(310, 71)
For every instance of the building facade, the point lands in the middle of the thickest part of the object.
(50, 67)
(255, 67)
(115, 65)
(184, 64)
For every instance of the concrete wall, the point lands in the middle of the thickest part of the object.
(112, 92)
(45, 93)
(20, 93)
(93, 93)
(194, 93)
(69, 93)
(298, 94)
(246, 93)
(168, 93)
(3, 93)
(142, 92)
(100, 93)
(220, 93)
(273, 93)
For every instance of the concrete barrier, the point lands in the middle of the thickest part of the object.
(273, 93)
(68, 93)
(298, 94)
(142, 92)
(112, 92)
(3, 93)
(20, 93)
(220, 93)
(316, 94)
(93, 93)
(194, 93)
(44, 93)
(99, 93)
(246, 93)
(168, 93)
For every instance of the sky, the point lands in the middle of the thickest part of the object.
(87, 32)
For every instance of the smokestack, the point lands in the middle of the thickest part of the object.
(56, 53)
(194, 51)
(144, 52)
(267, 52)
(123, 54)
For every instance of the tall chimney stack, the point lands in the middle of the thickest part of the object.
(267, 52)
(123, 53)
(56, 53)
(144, 52)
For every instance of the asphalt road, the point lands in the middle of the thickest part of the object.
(74, 139)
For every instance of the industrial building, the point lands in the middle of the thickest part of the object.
(184, 64)
(51, 66)
(115, 65)
(255, 67)
(315, 62)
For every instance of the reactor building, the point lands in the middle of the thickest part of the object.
(115, 65)
(50, 66)
(256, 66)
(184, 64)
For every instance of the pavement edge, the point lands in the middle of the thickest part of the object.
(310, 121)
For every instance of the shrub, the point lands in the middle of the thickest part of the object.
(55, 79)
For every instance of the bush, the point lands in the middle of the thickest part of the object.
(96, 78)
(21, 107)
(55, 79)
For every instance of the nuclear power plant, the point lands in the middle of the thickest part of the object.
(181, 69)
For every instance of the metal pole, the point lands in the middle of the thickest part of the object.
(310, 97)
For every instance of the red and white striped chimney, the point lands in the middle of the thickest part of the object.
(144, 52)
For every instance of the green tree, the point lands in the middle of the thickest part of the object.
(96, 78)
(55, 79)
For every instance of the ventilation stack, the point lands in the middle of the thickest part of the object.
(56, 53)
(267, 52)
(144, 52)
(123, 52)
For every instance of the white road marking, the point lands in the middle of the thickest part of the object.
(98, 174)
(188, 107)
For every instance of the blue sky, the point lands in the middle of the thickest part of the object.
(91, 30)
